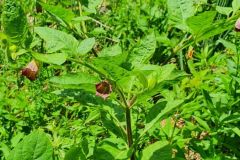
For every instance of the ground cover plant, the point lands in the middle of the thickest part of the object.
(119, 79)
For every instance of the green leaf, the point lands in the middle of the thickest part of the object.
(75, 153)
(110, 69)
(203, 20)
(202, 123)
(143, 52)
(35, 146)
(57, 40)
(59, 12)
(170, 106)
(235, 6)
(76, 81)
(85, 46)
(155, 110)
(92, 4)
(109, 122)
(110, 51)
(78, 78)
(208, 99)
(94, 114)
(228, 45)
(14, 21)
(55, 58)
(81, 18)
(224, 10)
(179, 11)
(111, 149)
(4, 149)
(203, 27)
(215, 29)
(236, 130)
(163, 76)
(158, 149)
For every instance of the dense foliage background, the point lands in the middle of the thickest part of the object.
(171, 68)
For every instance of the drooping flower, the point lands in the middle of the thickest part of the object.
(237, 25)
(31, 70)
(103, 89)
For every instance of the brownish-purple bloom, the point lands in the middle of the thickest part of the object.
(31, 70)
(103, 89)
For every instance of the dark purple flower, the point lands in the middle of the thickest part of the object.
(31, 70)
(103, 89)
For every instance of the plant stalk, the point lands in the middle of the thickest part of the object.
(129, 130)
(128, 120)
(80, 13)
(129, 127)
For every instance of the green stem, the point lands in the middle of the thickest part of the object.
(80, 13)
(129, 130)
(88, 66)
(101, 24)
(128, 120)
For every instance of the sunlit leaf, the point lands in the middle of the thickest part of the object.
(55, 58)
(85, 46)
(35, 146)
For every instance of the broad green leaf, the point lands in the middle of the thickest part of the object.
(235, 6)
(202, 123)
(170, 106)
(111, 149)
(76, 81)
(203, 27)
(5, 149)
(110, 69)
(110, 51)
(79, 78)
(15, 140)
(57, 40)
(79, 94)
(35, 146)
(81, 151)
(236, 130)
(143, 52)
(92, 4)
(162, 78)
(203, 20)
(156, 150)
(179, 11)
(75, 153)
(110, 123)
(118, 59)
(85, 46)
(155, 110)
(224, 10)
(59, 13)
(54, 58)
(228, 45)
(215, 29)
